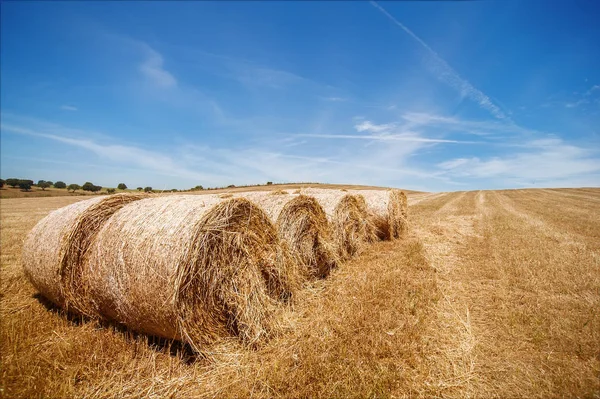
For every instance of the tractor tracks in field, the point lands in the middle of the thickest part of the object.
(443, 227)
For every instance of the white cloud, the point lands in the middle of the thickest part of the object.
(152, 68)
(367, 126)
(68, 108)
(545, 160)
(447, 74)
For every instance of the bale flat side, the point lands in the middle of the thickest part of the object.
(43, 249)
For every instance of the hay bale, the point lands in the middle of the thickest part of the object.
(279, 192)
(387, 212)
(192, 268)
(303, 226)
(55, 247)
(347, 213)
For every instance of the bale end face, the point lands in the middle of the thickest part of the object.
(352, 226)
(303, 225)
(234, 276)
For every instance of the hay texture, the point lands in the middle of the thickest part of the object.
(302, 224)
(387, 211)
(54, 249)
(193, 268)
(348, 215)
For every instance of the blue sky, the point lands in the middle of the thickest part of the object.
(419, 95)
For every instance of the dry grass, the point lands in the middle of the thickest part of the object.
(490, 295)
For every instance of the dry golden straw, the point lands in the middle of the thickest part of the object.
(303, 226)
(348, 215)
(54, 249)
(193, 268)
(387, 211)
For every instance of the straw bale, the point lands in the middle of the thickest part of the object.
(193, 268)
(387, 211)
(53, 250)
(347, 213)
(303, 225)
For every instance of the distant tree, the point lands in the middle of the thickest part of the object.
(49, 182)
(269, 183)
(87, 186)
(95, 189)
(60, 184)
(198, 188)
(25, 184)
(43, 185)
(2, 183)
(110, 190)
(12, 182)
(140, 188)
(147, 189)
(174, 190)
(73, 187)
(231, 186)
(122, 186)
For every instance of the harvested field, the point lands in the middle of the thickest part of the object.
(490, 294)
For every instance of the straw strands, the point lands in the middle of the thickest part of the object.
(348, 216)
(387, 211)
(303, 226)
(54, 249)
(193, 268)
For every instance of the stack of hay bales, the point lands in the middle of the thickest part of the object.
(303, 226)
(193, 268)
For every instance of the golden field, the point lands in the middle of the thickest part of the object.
(492, 294)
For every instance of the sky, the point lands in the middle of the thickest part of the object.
(433, 96)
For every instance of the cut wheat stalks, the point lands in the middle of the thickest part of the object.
(303, 226)
(387, 211)
(348, 215)
(54, 249)
(192, 268)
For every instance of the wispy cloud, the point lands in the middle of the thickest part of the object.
(447, 74)
(544, 161)
(68, 108)
(153, 68)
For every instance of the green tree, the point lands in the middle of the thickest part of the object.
(43, 185)
(147, 189)
(60, 184)
(110, 190)
(95, 188)
(12, 182)
(87, 186)
(73, 187)
(269, 183)
(2, 183)
(122, 186)
(140, 189)
(25, 184)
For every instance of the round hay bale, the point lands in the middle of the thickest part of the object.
(385, 209)
(303, 226)
(192, 268)
(54, 249)
(347, 213)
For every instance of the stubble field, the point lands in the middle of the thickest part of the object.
(492, 294)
